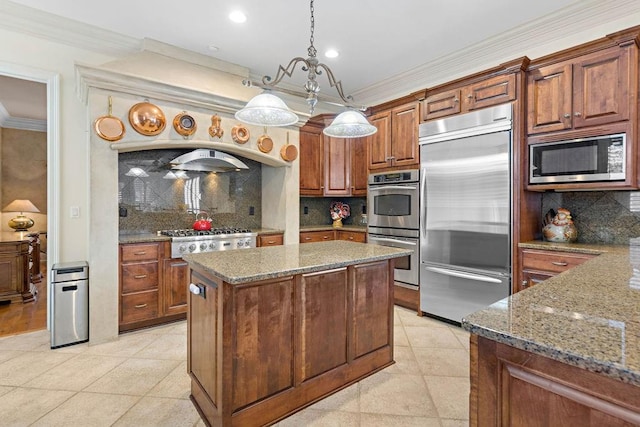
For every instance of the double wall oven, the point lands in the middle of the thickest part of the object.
(393, 214)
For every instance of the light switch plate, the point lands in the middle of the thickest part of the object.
(75, 211)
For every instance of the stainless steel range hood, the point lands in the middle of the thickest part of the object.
(204, 160)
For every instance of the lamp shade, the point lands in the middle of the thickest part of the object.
(266, 109)
(21, 205)
(350, 124)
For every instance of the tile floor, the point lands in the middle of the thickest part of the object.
(141, 380)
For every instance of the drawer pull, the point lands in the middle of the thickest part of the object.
(141, 305)
(325, 237)
(140, 253)
(140, 276)
(560, 263)
(307, 238)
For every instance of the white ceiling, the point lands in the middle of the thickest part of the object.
(380, 43)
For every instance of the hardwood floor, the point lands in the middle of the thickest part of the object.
(17, 318)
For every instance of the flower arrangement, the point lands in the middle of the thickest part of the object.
(339, 210)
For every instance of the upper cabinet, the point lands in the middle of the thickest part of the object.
(492, 91)
(311, 160)
(590, 90)
(395, 145)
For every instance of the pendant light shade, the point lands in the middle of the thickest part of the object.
(267, 109)
(350, 124)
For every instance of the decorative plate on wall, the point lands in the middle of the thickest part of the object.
(147, 119)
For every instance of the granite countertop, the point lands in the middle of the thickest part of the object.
(361, 228)
(154, 237)
(249, 265)
(588, 316)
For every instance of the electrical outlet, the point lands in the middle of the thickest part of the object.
(306, 210)
(252, 210)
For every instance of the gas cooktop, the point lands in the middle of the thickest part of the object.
(212, 232)
(187, 241)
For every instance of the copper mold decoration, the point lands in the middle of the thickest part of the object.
(109, 127)
(215, 130)
(184, 124)
(240, 134)
(289, 152)
(147, 119)
(265, 143)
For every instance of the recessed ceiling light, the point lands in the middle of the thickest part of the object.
(331, 53)
(237, 16)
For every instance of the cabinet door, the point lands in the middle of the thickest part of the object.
(549, 98)
(379, 143)
(359, 166)
(531, 278)
(176, 282)
(494, 91)
(601, 87)
(316, 236)
(441, 105)
(270, 240)
(404, 135)
(352, 236)
(311, 162)
(337, 166)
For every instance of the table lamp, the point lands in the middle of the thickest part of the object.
(21, 222)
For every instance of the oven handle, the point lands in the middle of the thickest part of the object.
(393, 187)
(383, 239)
(463, 275)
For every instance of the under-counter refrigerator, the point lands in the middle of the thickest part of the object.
(465, 213)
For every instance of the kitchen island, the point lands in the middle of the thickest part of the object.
(564, 352)
(274, 329)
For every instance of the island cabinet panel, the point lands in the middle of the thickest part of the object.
(371, 314)
(262, 341)
(513, 387)
(323, 313)
(176, 282)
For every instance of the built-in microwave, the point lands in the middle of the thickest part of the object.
(600, 158)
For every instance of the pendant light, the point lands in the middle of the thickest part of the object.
(267, 109)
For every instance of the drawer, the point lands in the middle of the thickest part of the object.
(553, 261)
(316, 236)
(140, 276)
(270, 240)
(139, 252)
(352, 236)
(140, 306)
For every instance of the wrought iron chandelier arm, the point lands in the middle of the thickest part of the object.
(335, 83)
(282, 71)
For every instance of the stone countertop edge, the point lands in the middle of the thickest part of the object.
(151, 237)
(588, 316)
(251, 265)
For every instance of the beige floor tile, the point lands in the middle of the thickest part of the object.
(176, 385)
(396, 394)
(76, 373)
(396, 316)
(5, 389)
(448, 362)
(462, 335)
(160, 412)
(317, 418)
(29, 365)
(454, 423)
(9, 354)
(74, 348)
(30, 341)
(381, 420)
(125, 346)
(410, 318)
(346, 400)
(428, 336)
(179, 328)
(88, 409)
(166, 346)
(134, 376)
(201, 423)
(23, 406)
(450, 395)
(400, 336)
(405, 362)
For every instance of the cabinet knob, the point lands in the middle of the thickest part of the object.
(577, 114)
(524, 284)
(567, 115)
(470, 96)
(456, 100)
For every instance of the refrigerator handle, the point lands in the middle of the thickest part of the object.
(423, 203)
(464, 275)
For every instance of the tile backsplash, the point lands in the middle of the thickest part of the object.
(318, 210)
(154, 199)
(611, 217)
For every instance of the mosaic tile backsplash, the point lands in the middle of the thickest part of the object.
(605, 217)
(318, 210)
(153, 198)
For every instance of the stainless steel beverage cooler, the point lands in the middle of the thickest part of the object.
(69, 303)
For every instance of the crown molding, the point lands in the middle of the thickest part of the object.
(551, 33)
(8, 122)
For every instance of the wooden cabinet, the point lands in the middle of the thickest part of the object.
(311, 160)
(337, 166)
(590, 90)
(353, 236)
(539, 265)
(491, 91)
(513, 387)
(270, 240)
(359, 166)
(153, 289)
(395, 145)
(316, 236)
(15, 284)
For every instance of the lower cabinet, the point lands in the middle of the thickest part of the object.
(153, 289)
(270, 240)
(539, 265)
(15, 285)
(324, 235)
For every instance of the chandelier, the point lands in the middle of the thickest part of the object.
(266, 109)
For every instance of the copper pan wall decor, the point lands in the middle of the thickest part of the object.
(109, 127)
(215, 130)
(240, 134)
(289, 152)
(184, 124)
(265, 143)
(147, 119)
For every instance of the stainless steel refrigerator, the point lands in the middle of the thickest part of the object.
(465, 212)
